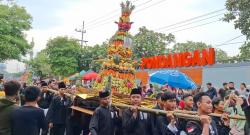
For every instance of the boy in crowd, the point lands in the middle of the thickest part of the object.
(211, 91)
(222, 124)
(165, 125)
(28, 119)
(8, 105)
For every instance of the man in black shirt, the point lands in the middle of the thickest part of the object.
(159, 105)
(231, 86)
(59, 111)
(212, 93)
(222, 91)
(188, 106)
(205, 126)
(52, 84)
(45, 100)
(28, 119)
(135, 122)
(105, 119)
(45, 97)
(165, 125)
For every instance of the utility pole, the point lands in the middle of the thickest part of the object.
(82, 30)
(32, 44)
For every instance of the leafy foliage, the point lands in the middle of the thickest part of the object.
(14, 20)
(40, 65)
(148, 43)
(191, 46)
(64, 55)
(244, 51)
(92, 56)
(239, 13)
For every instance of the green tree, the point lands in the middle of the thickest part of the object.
(40, 65)
(244, 51)
(14, 20)
(148, 43)
(64, 55)
(92, 56)
(239, 13)
(191, 46)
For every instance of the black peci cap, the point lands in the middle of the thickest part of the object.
(103, 94)
(135, 91)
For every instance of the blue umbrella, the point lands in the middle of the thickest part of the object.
(172, 78)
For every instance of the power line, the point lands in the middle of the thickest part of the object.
(134, 13)
(150, 6)
(194, 18)
(232, 39)
(225, 44)
(192, 22)
(107, 20)
(194, 26)
(107, 14)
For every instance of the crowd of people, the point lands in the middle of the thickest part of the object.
(34, 110)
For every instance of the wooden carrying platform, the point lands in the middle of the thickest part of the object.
(83, 110)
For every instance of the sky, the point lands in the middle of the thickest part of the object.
(52, 18)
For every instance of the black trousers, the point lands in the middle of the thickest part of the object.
(58, 129)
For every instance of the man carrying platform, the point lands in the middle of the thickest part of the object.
(206, 126)
(104, 119)
(135, 122)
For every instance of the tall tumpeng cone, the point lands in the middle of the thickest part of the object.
(119, 64)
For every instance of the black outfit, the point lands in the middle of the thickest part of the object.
(223, 93)
(195, 128)
(157, 107)
(78, 121)
(181, 125)
(45, 100)
(222, 129)
(162, 128)
(212, 92)
(141, 125)
(153, 120)
(44, 103)
(104, 121)
(75, 125)
(21, 93)
(58, 113)
(85, 118)
(27, 120)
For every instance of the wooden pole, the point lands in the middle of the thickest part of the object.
(177, 113)
(86, 111)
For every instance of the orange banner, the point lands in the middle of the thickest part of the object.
(194, 73)
(143, 76)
